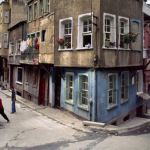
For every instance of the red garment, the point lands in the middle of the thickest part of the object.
(1, 105)
(37, 45)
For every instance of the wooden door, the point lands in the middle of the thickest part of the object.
(57, 87)
(42, 91)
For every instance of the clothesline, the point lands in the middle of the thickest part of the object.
(29, 43)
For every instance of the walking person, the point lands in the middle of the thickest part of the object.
(13, 98)
(2, 111)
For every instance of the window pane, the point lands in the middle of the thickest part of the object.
(110, 100)
(66, 25)
(69, 25)
(108, 22)
(108, 28)
(110, 78)
(90, 29)
(85, 29)
(122, 24)
(69, 31)
(122, 30)
(19, 75)
(85, 23)
(86, 40)
(111, 86)
(110, 93)
(66, 31)
(107, 36)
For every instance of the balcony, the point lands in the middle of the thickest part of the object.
(14, 59)
(30, 56)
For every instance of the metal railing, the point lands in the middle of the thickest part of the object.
(30, 54)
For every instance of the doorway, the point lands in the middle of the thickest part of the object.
(42, 88)
(57, 87)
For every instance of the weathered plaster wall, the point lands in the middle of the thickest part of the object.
(29, 88)
(117, 58)
(46, 48)
(104, 114)
(18, 11)
(74, 108)
(75, 58)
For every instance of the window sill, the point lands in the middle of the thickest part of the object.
(17, 54)
(84, 107)
(84, 48)
(138, 93)
(34, 86)
(111, 106)
(124, 49)
(115, 48)
(69, 49)
(19, 82)
(40, 17)
(11, 55)
(137, 50)
(69, 102)
(124, 101)
(29, 21)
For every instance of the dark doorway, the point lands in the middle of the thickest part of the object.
(57, 87)
(42, 88)
(139, 111)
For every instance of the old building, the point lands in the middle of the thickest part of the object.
(11, 12)
(146, 50)
(4, 25)
(17, 33)
(98, 69)
(38, 58)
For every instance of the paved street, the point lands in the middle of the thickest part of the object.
(29, 130)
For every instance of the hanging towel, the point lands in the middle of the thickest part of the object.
(23, 46)
(30, 42)
(37, 45)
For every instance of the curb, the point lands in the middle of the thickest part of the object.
(50, 117)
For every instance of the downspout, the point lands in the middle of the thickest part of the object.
(95, 70)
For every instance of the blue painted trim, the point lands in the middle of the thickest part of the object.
(138, 21)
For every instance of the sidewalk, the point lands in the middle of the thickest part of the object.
(66, 118)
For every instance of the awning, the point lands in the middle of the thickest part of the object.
(144, 96)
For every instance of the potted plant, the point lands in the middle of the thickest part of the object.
(60, 42)
(128, 38)
(67, 44)
(107, 42)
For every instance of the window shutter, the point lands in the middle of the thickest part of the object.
(6, 16)
(46, 6)
(5, 40)
(0, 40)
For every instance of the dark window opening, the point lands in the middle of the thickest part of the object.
(18, 93)
(86, 40)
(114, 123)
(43, 35)
(126, 118)
(19, 77)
